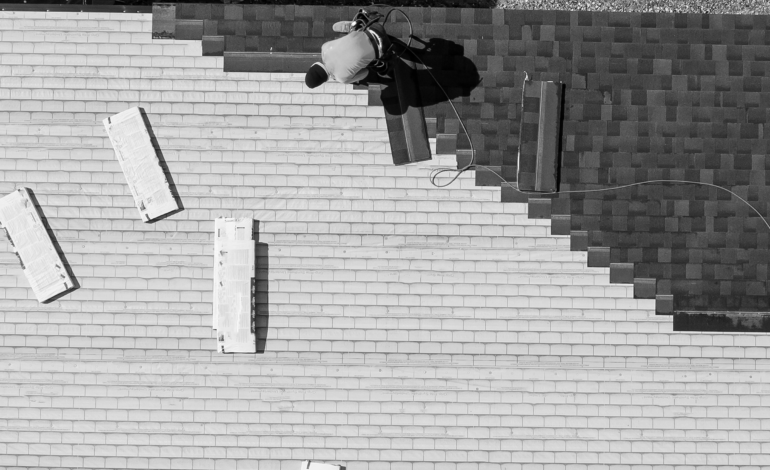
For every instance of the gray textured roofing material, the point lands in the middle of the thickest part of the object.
(648, 96)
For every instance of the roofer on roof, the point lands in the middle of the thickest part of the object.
(350, 58)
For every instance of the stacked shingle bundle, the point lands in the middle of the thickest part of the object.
(234, 285)
(539, 136)
(40, 261)
(139, 161)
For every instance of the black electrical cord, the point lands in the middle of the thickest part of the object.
(411, 31)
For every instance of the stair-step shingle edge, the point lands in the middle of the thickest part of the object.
(269, 62)
(189, 30)
(747, 322)
(213, 46)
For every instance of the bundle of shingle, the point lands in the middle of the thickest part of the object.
(139, 161)
(234, 285)
(26, 233)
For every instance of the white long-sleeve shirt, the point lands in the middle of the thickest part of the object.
(346, 58)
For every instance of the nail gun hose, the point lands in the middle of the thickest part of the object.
(385, 20)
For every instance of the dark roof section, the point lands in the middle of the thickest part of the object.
(648, 96)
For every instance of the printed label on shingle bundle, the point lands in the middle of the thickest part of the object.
(39, 259)
(140, 164)
(234, 285)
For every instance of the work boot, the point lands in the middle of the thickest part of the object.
(343, 26)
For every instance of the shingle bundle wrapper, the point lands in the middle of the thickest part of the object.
(309, 465)
(140, 164)
(235, 285)
(39, 259)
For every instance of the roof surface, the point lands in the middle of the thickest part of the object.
(408, 326)
(649, 96)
